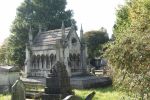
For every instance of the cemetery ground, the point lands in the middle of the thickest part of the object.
(105, 93)
(101, 94)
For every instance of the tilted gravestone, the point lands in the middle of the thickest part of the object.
(90, 96)
(74, 97)
(18, 91)
(57, 83)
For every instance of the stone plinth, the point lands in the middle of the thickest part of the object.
(84, 82)
(51, 97)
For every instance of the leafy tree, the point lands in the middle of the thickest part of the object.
(129, 54)
(95, 40)
(47, 13)
(2, 54)
(122, 20)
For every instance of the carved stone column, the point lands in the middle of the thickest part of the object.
(49, 60)
(40, 65)
(45, 66)
(27, 61)
(36, 63)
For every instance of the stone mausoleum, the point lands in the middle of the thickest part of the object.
(48, 47)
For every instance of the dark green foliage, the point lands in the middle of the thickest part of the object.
(47, 13)
(95, 40)
(2, 54)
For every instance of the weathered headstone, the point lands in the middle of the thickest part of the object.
(18, 91)
(74, 97)
(93, 70)
(90, 96)
(57, 83)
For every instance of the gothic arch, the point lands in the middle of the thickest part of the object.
(47, 61)
(34, 61)
(70, 57)
(52, 59)
(42, 60)
(74, 57)
(78, 60)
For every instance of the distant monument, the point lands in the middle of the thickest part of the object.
(57, 83)
(41, 51)
(60, 47)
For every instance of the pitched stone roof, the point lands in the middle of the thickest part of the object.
(49, 37)
(8, 68)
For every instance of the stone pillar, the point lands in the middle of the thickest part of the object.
(40, 65)
(45, 63)
(50, 63)
(27, 61)
(58, 50)
(83, 58)
(83, 52)
(61, 55)
(33, 64)
(30, 36)
(36, 64)
(45, 66)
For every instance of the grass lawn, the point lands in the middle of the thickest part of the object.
(5, 97)
(103, 94)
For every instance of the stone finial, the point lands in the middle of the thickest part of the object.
(81, 32)
(62, 25)
(72, 25)
(30, 36)
(81, 35)
(63, 30)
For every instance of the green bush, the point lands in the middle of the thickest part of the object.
(129, 54)
(5, 97)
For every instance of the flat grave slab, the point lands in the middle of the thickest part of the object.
(83, 82)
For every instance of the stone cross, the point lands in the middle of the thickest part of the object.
(18, 91)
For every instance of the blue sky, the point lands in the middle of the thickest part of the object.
(92, 14)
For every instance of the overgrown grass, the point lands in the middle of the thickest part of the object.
(101, 94)
(5, 97)
(104, 94)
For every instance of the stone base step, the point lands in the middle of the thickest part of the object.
(90, 82)
(33, 95)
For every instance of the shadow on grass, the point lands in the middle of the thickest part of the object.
(107, 93)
